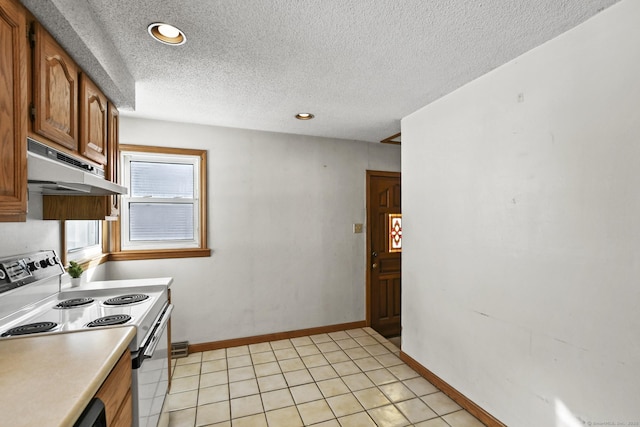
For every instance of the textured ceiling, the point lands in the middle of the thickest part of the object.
(358, 65)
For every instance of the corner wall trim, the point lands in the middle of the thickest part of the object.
(215, 345)
(454, 394)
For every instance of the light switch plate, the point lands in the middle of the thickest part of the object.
(357, 228)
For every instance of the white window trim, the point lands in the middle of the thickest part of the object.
(126, 158)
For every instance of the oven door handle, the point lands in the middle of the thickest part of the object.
(155, 339)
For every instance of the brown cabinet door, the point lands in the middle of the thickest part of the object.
(385, 275)
(55, 91)
(113, 142)
(112, 154)
(93, 121)
(115, 393)
(13, 112)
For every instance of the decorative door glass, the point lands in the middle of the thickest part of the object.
(395, 233)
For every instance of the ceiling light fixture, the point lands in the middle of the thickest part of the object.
(167, 34)
(304, 116)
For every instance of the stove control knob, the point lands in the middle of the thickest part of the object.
(43, 263)
(33, 266)
(3, 275)
(51, 262)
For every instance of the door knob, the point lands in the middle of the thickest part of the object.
(374, 265)
(374, 254)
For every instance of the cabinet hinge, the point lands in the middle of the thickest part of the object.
(32, 112)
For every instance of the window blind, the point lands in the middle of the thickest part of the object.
(165, 221)
(162, 180)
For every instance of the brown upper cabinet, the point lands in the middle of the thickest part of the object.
(13, 112)
(93, 121)
(68, 112)
(55, 91)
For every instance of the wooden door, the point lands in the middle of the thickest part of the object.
(93, 121)
(55, 93)
(384, 272)
(13, 112)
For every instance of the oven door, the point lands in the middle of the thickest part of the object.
(150, 375)
(93, 416)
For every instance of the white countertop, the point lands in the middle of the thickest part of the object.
(122, 284)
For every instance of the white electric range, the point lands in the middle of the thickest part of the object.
(32, 302)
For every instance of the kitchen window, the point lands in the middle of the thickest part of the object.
(83, 240)
(164, 213)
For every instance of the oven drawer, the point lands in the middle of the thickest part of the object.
(116, 392)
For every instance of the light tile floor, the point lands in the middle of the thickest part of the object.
(349, 378)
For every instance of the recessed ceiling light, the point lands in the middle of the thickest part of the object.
(304, 116)
(167, 34)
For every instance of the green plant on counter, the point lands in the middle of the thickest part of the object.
(75, 270)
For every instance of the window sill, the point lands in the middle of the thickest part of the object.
(159, 254)
(93, 262)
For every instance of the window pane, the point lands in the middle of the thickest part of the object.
(81, 234)
(162, 221)
(163, 180)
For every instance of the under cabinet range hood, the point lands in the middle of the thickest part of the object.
(50, 171)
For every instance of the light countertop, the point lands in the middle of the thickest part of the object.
(122, 284)
(48, 380)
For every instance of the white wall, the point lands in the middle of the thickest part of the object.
(521, 264)
(33, 235)
(281, 209)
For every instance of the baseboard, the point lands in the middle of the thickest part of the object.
(459, 398)
(215, 345)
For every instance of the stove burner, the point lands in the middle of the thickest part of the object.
(74, 302)
(31, 328)
(116, 319)
(126, 299)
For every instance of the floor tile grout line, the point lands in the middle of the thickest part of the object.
(226, 358)
(255, 373)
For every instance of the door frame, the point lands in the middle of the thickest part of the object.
(372, 173)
